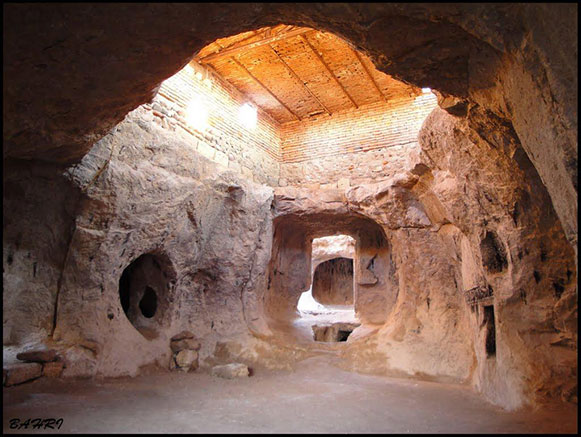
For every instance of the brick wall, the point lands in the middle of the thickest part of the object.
(347, 148)
(370, 143)
(253, 152)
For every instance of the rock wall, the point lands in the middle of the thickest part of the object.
(498, 223)
(414, 320)
(481, 275)
(333, 246)
(39, 215)
(144, 192)
(515, 60)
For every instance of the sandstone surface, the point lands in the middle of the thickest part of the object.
(53, 369)
(118, 232)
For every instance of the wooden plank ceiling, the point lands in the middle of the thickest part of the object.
(294, 73)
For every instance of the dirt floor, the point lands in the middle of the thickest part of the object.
(315, 398)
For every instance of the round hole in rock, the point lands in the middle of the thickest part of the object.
(124, 286)
(143, 292)
(148, 303)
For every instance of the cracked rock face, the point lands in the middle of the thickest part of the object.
(498, 223)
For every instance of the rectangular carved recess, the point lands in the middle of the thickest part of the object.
(479, 295)
(490, 340)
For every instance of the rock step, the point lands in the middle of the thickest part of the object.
(230, 371)
(19, 373)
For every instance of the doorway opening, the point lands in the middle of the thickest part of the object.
(328, 305)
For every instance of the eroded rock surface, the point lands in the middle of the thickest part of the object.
(467, 212)
(146, 192)
(333, 282)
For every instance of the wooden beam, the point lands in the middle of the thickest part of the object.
(254, 33)
(214, 71)
(298, 79)
(329, 70)
(356, 53)
(265, 88)
(253, 45)
(286, 28)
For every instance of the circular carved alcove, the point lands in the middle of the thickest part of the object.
(144, 292)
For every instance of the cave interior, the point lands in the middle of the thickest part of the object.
(219, 191)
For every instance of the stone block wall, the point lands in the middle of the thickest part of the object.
(355, 146)
(348, 148)
(342, 171)
(251, 152)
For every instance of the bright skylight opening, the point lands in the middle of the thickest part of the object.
(247, 116)
(426, 90)
(197, 115)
